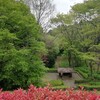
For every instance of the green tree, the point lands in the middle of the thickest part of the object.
(21, 48)
(81, 28)
(53, 50)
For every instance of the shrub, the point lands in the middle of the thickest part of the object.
(62, 87)
(56, 82)
(82, 81)
(94, 83)
(89, 87)
(46, 93)
(97, 76)
(64, 64)
(51, 70)
(85, 75)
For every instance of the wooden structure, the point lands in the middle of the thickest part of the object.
(65, 72)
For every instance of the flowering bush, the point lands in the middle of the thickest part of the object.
(46, 93)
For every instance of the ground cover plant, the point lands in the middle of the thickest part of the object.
(88, 82)
(47, 93)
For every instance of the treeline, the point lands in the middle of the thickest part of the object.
(78, 35)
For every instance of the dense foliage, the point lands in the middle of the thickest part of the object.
(20, 46)
(79, 36)
(75, 42)
(45, 93)
(53, 50)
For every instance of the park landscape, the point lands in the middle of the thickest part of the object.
(35, 42)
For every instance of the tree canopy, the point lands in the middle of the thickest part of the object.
(20, 46)
(79, 31)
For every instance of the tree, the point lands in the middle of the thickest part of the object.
(42, 10)
(53, 50)
(70, 37)
(89, 18)
(81, 30)
(20, 46)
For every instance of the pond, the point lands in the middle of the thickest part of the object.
(69, 82)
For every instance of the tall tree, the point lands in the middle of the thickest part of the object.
(43, 11)
(20, 46)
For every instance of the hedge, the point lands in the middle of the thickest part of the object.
(47, 93)
(56, 82)
(89, 87)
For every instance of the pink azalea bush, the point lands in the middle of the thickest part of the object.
(46, 93)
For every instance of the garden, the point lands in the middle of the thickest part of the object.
(35, 42)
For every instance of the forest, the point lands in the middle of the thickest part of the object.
(33, 42)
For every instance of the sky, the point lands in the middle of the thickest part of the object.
(63, 6)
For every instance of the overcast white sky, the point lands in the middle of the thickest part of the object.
(63, 6)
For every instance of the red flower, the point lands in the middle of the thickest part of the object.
(46, 93)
